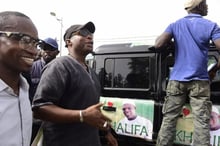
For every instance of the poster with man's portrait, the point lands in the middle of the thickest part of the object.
(130, 117)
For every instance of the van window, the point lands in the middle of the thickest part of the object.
(127, 72)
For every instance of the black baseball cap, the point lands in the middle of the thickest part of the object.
(74, 28)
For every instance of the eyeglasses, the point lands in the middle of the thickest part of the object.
(25, 41)
(83, 32)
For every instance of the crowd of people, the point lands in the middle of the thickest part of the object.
(63, 92)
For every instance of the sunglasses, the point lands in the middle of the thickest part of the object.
(25, 41)
(83, 32)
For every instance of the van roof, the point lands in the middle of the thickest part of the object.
(121, 48)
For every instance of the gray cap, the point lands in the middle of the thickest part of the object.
(191, 4)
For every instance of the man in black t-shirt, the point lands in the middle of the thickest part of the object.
(67, 97)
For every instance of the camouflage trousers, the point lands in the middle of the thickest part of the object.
(198, 93)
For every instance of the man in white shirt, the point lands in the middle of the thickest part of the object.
(18, 48)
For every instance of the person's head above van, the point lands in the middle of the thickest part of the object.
(190, 4)
(196, 6)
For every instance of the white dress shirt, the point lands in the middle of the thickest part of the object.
(15, 115)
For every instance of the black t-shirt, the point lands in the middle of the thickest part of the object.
(65, 83)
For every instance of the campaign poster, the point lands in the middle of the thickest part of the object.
(132, 117)
(184, 128)
(215, 126)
